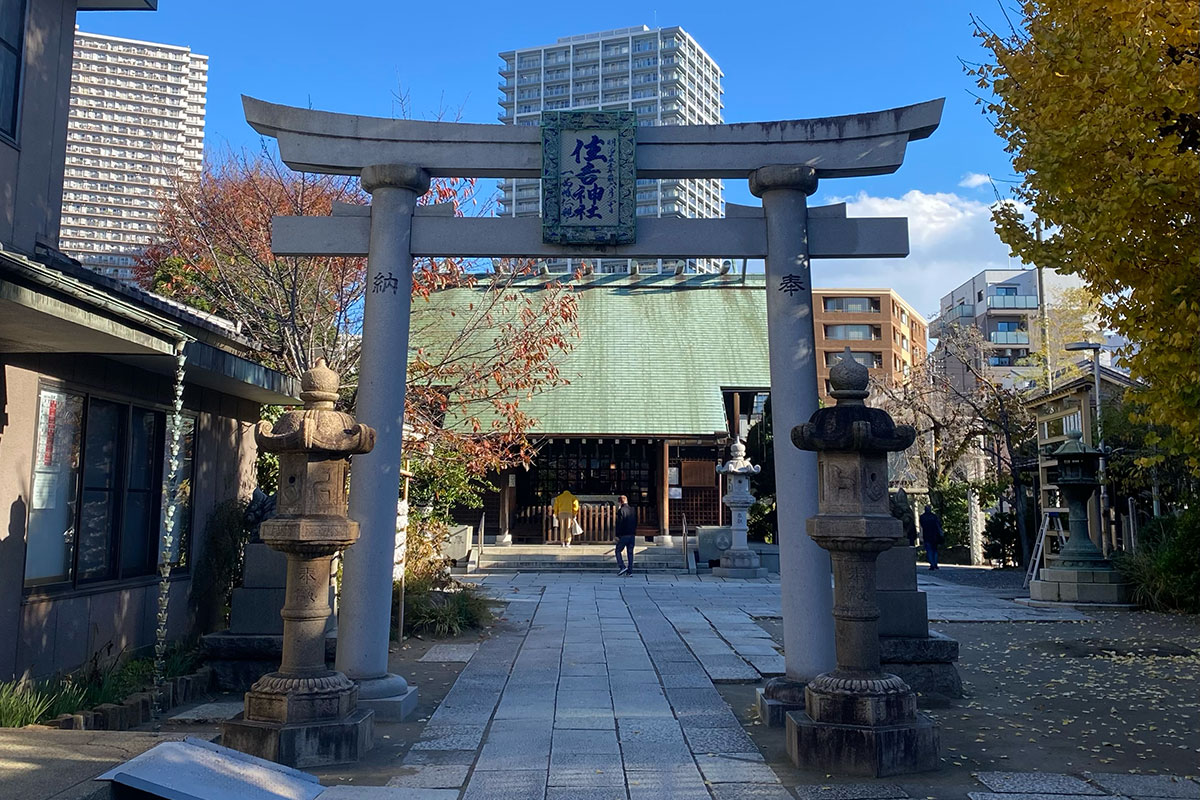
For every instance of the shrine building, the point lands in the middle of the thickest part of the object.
(665, 368)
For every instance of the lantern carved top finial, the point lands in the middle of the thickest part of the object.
(852, 425)
(319, 386)
(738, 464)
(316, 428)
(849, 379)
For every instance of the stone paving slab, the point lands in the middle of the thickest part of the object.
(450, 737)
(526, 784)
(1146, 785)
(345, 792)
(720, 740)
(588, 772)
(1035, 783)
(207, 713)
(450, 652)
(419, 758)
(749, 791)
(850, 791)
(678, 783)
(1035, 796)
(433, 776)
(571, 793)
(735, 768)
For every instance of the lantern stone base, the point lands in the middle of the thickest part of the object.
(925, 663)
(740, 564)
(780, 696)
(310, 744)
(1060, 584)
(873, 751)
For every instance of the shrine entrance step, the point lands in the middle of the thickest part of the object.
(580, 558)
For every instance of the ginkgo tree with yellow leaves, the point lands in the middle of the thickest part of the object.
(1099, 102)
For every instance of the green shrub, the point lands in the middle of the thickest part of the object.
(443, 613)
(22, 703)
(104, 679)
(435, 603)
(1164, 570)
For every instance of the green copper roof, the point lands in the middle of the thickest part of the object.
(653, 355)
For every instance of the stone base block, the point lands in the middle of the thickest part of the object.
(871, 751)
(238, 660)
(263, 567)
(903, 613)
(773, 713)
(925, 663)
(1063, 575)
(896, 569)
(313, 744)
(1075, 592)
(393, 708)
(735, 572)
(256, 611)
(928, 679)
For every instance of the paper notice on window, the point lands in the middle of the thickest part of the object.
(45, 488)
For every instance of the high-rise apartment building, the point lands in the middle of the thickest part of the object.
(1005, 305)
(136, 125)
(884, 333)
(663, 75)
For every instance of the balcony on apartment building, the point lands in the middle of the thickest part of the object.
(1009, 337)
(1012, 301)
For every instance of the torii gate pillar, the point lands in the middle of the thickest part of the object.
(367, 569)
(804, 571)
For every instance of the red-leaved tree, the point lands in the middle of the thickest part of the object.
(464, 396)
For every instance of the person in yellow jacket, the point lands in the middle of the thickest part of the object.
(566, 509)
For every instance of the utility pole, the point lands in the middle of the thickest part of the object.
(1048, 372)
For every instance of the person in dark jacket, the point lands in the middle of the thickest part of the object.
(626, 535)
(931, 535)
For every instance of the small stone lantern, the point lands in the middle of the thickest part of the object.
(305, 714)
(858, 720)
(1079, 573)
(739, 561)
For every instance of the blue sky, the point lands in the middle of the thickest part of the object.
(781, 60)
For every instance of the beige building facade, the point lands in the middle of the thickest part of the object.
(883, 331)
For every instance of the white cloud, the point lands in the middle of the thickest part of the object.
(951, 238)
(973, 180)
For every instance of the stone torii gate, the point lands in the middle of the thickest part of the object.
(396, 159)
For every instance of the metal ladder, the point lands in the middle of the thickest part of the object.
(1039, 547)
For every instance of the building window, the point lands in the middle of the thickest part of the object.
(12, 40)
(1006, 291)
(852, 332)
(868, 305)
(867, 358)
(97, 491)
(1008, 326)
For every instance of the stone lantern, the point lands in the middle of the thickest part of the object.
(305, 714)
(858, 720)
(1079, 573)
(739, 561)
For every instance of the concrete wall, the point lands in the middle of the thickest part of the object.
(31, 169)
(41, 633)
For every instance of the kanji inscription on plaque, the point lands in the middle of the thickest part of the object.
(588, 177)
